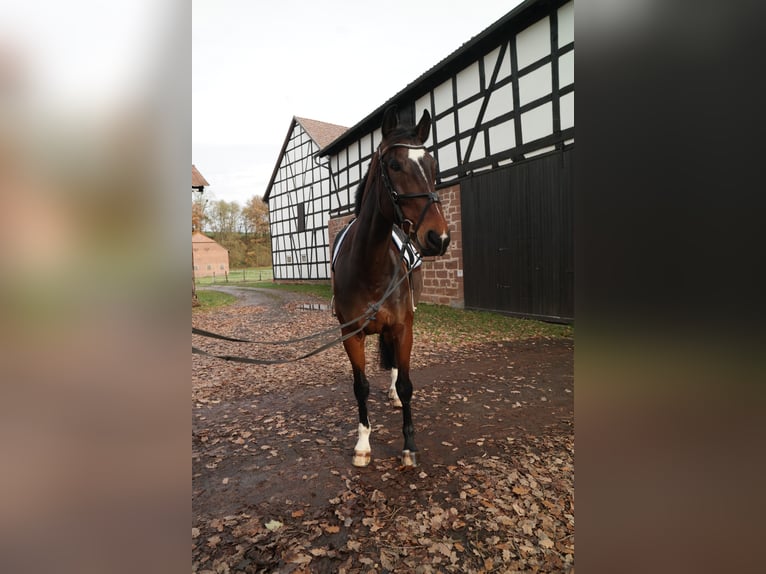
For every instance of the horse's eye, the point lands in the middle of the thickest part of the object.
(395, 165)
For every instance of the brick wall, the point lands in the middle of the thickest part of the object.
(442, 276)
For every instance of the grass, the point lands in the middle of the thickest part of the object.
(447, 323)
(439, 322)
(210, 299)
(322, 290)
(239, 276)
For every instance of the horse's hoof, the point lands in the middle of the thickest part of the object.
(361, 458)
(409, 458)
(394, 398)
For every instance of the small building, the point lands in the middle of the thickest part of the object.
(210, 258)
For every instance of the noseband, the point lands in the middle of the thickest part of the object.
(397, 197)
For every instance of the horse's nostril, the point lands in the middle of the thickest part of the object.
(437, 242)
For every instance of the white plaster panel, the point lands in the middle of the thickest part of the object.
(566, 69)
(445, 127)
(500, 102)
(447, 157)
(443, 97)
(366, 144)
(342, 163)
(467, 115)
(535, 85)
(566, 24)
(567, 110)
(537, 123)
(533, 43)
(467, 82)
(502, 137)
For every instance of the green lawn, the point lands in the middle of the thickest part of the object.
(447, 323)
(239, 276)
(210, 299)
(439, 322)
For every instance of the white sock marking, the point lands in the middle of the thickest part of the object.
(392, 395)
(363, 442)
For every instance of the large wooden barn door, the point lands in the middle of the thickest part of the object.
(518, 245)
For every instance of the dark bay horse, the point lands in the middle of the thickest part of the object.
(371, 281)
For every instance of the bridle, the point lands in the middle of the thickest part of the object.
(411, 229)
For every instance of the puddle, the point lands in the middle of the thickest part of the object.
(314, 307)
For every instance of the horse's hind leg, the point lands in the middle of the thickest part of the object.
(355, 350)
(388, 361)
(392, 394)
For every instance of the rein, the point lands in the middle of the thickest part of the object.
(368, 316)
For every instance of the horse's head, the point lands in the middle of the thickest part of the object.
(409, 174)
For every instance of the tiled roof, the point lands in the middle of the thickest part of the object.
(197, 179)
(321, 132)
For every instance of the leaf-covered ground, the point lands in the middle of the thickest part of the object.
(273, 485)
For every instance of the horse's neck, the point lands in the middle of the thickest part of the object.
(373, 230)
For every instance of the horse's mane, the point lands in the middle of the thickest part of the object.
(359, 193)
(398, 134)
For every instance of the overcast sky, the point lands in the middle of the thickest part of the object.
(255, 65)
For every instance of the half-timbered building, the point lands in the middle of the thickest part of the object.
(298, 196)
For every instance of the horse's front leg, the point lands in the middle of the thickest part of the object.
(355, 350)
(403, 348)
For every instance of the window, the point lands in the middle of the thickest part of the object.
(301, 223)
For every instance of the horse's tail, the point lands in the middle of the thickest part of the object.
(386, 348)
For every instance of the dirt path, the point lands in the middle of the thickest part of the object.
(273, 485)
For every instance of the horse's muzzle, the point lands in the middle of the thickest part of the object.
(435, 244)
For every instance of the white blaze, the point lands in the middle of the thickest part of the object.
(416, 155)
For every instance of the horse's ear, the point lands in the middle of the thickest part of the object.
(424, 127)
(390, 120)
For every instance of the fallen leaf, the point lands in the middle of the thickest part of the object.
(386, 560)
(546, 543)
(273, 525)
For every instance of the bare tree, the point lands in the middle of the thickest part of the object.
(223, 216)
(257, 214)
